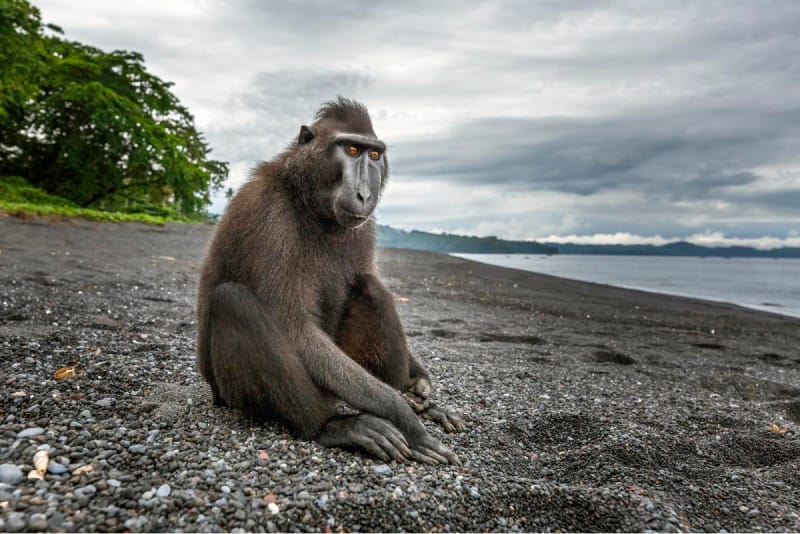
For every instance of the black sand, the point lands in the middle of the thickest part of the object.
(590, 407)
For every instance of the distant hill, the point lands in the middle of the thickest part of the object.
(391, 237)
(415, 239)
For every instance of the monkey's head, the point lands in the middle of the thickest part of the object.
(344, 161)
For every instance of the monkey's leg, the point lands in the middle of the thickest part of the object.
(257, 370)
(371, 334)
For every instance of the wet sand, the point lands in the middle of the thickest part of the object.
(589, 407)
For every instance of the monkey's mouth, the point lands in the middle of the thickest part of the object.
(354, 215)
(348, 219)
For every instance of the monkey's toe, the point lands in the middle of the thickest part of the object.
(449, 421)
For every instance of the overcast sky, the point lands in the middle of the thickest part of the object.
(583, 120)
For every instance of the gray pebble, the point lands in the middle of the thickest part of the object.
(137, 449)
(473, 492)
(30, 432)
(15, 522)
(10, 474)
(37, 522)
(163, 490)
(114, 483)
(382, 469)
(55, 468)
(85, 491)
(108, 402)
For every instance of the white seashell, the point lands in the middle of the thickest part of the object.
(40, 461)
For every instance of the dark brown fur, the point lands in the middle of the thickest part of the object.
(283, 283)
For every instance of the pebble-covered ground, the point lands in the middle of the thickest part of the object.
(589, 407)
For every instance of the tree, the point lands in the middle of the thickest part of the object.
(102, 131)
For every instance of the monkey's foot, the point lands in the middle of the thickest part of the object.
(449, 421)
(417, 393)
(376, 435)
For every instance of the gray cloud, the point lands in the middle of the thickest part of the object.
(682, 153)
(269, 112)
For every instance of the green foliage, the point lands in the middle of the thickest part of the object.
(96, 127)
(17, 190)
(18, 197)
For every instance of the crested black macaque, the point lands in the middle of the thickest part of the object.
(292, 317)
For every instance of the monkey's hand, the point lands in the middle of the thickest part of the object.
(417, 393)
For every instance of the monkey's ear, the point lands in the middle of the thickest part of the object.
(306, 135)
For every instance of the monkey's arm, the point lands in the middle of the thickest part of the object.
(333, 370)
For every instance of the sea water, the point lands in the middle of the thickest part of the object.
(764, 284)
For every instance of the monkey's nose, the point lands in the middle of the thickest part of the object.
(363, 197)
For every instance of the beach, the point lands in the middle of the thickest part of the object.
(589, 407)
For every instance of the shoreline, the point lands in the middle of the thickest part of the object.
(767, 307)
(590, 407)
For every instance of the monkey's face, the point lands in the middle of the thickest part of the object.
(362, 165)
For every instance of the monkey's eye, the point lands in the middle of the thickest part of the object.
(353, 150)
(374, 154)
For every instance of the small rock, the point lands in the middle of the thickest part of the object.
(55, 468)
(137, 449)
(473, 492)
(382, 469)
(163, 490)
(113, 483)
(10, 474)
(15, 522)
(754, 512)
(225, 489)
(85, 491)
(108, 402)
(30, 432)
(37, 522)
(744, 509)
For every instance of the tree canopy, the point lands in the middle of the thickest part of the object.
(96, 127)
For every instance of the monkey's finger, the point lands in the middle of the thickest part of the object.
(387, 447)
(385, 428)
(368, 444)
(433, 454)
(418, 456)
(442, 451)
(399, 442)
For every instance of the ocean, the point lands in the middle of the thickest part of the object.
(764, 284)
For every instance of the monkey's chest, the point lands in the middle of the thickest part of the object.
(330, 304)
